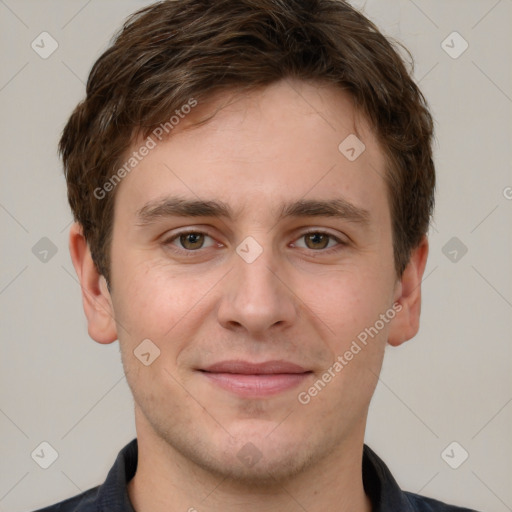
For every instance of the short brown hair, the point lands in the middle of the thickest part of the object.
(175, 50)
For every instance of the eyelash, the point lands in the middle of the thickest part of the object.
(189, 252)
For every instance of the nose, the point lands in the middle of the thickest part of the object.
(256, 297)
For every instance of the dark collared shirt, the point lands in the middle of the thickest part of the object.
(379, 485)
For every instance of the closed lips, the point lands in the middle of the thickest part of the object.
(255, 380)
(247, 368)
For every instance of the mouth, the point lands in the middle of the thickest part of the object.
(256, 379)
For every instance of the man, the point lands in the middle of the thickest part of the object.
(252, 183)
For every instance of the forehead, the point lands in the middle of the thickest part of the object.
(284, 142)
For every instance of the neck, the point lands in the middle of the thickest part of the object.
(166, 481)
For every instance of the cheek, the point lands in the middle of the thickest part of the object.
(156, 300)
(351, 305)
(148, 303)
(348, 302)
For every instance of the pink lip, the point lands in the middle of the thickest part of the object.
(256, 379)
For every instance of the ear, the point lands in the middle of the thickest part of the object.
(406, 323)
(95, 295)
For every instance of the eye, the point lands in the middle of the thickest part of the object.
(318, 240)
(191, 240)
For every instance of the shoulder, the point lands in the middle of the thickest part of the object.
(112, 494)
(423, 504)
(386, 495)
(84, 502)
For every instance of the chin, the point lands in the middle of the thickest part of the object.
(250, 459)
(254, 468)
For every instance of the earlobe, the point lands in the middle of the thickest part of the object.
(406, 323)
(96, 298)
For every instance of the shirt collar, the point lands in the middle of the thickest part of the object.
(113, 493)
(381, 487)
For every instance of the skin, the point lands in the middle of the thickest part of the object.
(295, 302)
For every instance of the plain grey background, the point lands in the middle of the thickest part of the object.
(452, 383)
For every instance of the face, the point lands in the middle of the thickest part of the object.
(254, 255)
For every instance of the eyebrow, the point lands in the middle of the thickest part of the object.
(179, 207)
